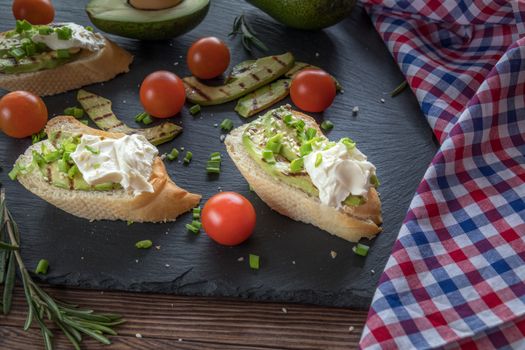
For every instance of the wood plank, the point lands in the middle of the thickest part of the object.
(202, 323)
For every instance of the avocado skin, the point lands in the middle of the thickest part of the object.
(306, 14)
(161, 30)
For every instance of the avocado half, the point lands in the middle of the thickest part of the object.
(303, 14)
(120, 18)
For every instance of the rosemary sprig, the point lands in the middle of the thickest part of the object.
(248, 35)
(399, 89)
(72, 321)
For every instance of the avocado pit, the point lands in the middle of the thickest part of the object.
(153, 4)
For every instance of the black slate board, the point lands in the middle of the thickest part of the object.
(296, 265)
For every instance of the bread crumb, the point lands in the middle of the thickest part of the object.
(293, 262)
(240, 259)
(350, 329)
(180, 339)
(167, 265)
(137, 260)
(355, 110)
(333, 254)
(372, 272)
(284, 310)
(382, 100)
(138, 335)
(157, 247)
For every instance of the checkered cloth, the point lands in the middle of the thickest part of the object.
(456, 275)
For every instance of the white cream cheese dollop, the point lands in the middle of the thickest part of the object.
(80, 38)
(127, 161)
(342, 172)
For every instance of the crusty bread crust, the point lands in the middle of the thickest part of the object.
(350, 223)
(89, 68)
(166, 202)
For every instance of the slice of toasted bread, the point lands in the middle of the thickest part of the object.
(166, 202)
(88, 68)
(350, 223)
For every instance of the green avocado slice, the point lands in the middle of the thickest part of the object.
(255, 138)
(263, 98)
(99, 110)
(263, 71)
(120, 18)
(239, 70)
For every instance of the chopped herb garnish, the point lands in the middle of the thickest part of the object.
(361, 249)
(92, 150)
(197, 213)
(140, 117)
(64, 33)
(348, 142)
(287, 119)
(274, 144)
(297, 165)
(145, 244)
(174, 154)
(226, 124)
(192, 228)
(188, 157)
(89, 28)
(74, 112)
(327, 125)
(248, 35)
(254, 261)
(84, 121)
(147, 120)
(196, 223)
(310, 133)
(318, 159)
(18, 53)
(374, 181)
(50, 157)
(42, 267)
(195, 109)
(305, 149)
(38, 136)
(129, 223)
(73, 171)
(268, 156)
(23, 25)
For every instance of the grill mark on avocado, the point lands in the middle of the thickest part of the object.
(255, 77)
(279, 61)
(90, 108)
(241, 84)
(56, 138)
(107, 115)
(224, 92)
(49, 174)
(269, 70)
(87, 97)
(71, 183)
(198, 91)
(118, 125)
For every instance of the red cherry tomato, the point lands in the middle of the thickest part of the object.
(208, 58)
(313, 90)
(22, 114)
(228, 218)
(34, 11)
(162, 94)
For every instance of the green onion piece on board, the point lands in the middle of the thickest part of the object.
(297, 165)
(188, 157)
(140, 117)
(226, 124)
(327, 125)
(42, 267)
(195, 109)
(74, 112)
(196, 223)
(254, 261)
(361, 249)
(174, 154)
(192, 228)
(147, 120)
(197, 213)
(145, 244)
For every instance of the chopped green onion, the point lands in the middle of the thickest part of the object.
(96, 165)
(297, 165)
(38, 158)
(92, 150)
(174, 154)
(38, 137)
(45, 30)
(213, 170)
(30, 48)
(145, 244)
(140, 117)
(327, 125)
(254, 261)
(42, 267)
(22, 26)
(147, 120)
(196, 223)
(74, 112)
(348, 142)
(63, 53)
(215, 156)
(89, 28)
(374, 181)
(63, 166)
(268, 156)
(310, 133)
(84, 121)
(195, 109)
(214, 163)
(197, 213)
(361, 249)
(226, 124)
(318, 159)
(17, 53)
(72, 171)
(305, 149)
(52, 156)
(192, 228)
(64, 33)
(298, 124)
(354, 201)
(129, 223)
(287, 119)
(13, 174)
(274, 144)
(188, 157)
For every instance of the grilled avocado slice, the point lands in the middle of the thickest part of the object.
(121, 18)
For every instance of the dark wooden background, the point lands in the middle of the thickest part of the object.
(367, 73)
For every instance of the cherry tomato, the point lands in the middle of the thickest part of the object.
(34, 11)
(313, 90)
(162, 94)
(208, 58)
(22, 114)
(228, 218)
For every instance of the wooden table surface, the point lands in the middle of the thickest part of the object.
(172, 322)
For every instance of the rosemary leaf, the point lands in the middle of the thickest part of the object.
(399, 89)
(7, 246)
(248, 35)
(9, 283)
(72, 339)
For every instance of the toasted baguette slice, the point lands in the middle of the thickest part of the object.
(350, 223)
(166, 202)
(88, 68)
